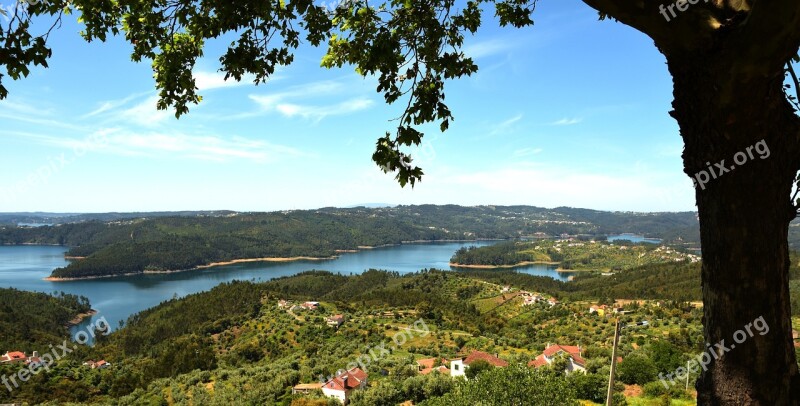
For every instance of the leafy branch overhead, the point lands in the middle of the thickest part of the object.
(411, 47)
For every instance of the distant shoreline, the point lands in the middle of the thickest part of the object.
(211, 265)
(518, 265)
(250, 260)
(523, 263)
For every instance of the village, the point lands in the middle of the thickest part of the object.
(345, 382)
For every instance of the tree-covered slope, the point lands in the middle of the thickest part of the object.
(31, 321)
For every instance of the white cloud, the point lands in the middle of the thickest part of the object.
(282, 102)
(526, 152)
(568, 121)
(7, 106)
(205, 80)
(320, 112)
(174, 145)
(146, 113)
(505, 126)
(208, 147)
(109, 105)
(487, 48)
(39, 118)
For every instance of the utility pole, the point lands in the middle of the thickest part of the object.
(687, 375)
(609, 396)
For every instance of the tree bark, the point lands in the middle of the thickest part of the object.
(744, 213)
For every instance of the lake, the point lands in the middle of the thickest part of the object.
(633, 238)
(23, 267)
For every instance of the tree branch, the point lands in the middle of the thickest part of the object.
(769, 36)
(792, 73)
(679, 32)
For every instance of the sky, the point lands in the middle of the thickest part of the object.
(569, 112)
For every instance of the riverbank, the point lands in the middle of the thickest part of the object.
(517, 265)
(207, 266)
(79, 318)
(372, 247)
(248, 260)
(267, 259)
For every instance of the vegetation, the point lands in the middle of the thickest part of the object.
(234, 344)
(136, 245)
(29, 321)
(571, 255)
(414, 48)
(515, 385)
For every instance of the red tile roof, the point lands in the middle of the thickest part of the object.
(441, 368)
(347, 380)
(480, 355)
(426, 362)
(427, 366)
(12, 356)
(537, 362)
(549, 352)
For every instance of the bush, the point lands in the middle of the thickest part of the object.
(514, 385)
(657, 389)
(637, 369)
(589, 386)
(476, 368)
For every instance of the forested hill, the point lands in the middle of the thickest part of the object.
(578, 255)
(135, 245)
(30, 320)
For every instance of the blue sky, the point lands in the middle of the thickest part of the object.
(569, 112)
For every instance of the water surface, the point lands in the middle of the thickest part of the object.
(24, 267)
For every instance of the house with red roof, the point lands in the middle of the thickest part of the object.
(34, 361)
(102, 364)
(427, 365)
(335, 321)
(306, 388)
(459, 366)
(572, 353)
(344, 383)
(13, 356)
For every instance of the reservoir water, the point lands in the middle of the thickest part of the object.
(24, 267)
(635, 238)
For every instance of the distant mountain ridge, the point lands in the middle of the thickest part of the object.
(61, 218)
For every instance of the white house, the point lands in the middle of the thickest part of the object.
(344, 383)
(459, 366)
(573, 353)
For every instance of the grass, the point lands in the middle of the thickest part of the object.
(648, 401)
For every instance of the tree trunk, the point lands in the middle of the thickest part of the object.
(744, 213)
